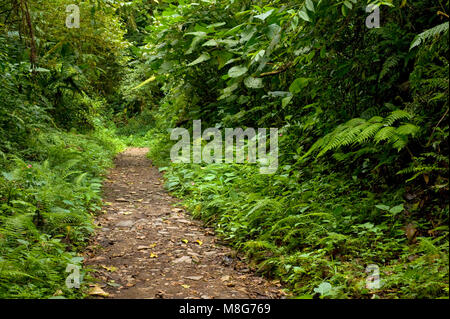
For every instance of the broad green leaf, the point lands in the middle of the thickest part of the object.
(348, 4)
(324, 289)
(198, 34)
(396, 209)
(310, 5)
(298, 85)
(304, 15)
(254, 83)
(382, 207)
(202, 58)
(237, 71)
(285, 101)
(247, 34)
(210, 43)
(222, 57)
(263, 16)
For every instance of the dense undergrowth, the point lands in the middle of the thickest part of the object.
(47, 209)
(55, 141)
(363, 134)
(362, 116)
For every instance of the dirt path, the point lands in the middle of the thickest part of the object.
(147, 248)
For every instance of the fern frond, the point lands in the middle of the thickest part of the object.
(407, 129)
(368, 132)
(390, 63)
(386, 133)
(397, 115)
(430, 33)
(360, 131)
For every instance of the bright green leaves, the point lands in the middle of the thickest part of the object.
(152, 78)
(393, 210)
(298, 85)
(254, 83)
(303, 13)
(359, 131)
(202, 58)
(195, 42)
(237, 71)
(265, 15)
(430, 33)
(347, 5)
(247, 34)
(210, 43)
(325, 289)
(197, 34)
(222, 57)
(309, 5)
(285, 101)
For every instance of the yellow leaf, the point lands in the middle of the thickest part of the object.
(97, 291)
(152, 245)
(186, 286)
(152, 78)
(199, 242)
(185, 241)
(152, 255)
(110, 269)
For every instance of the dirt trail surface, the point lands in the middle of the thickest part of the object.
(147, 248)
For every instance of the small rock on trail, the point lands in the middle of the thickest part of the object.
(146, 248)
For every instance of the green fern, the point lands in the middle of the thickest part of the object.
(430, 33)
(390, 63)
(360, 131)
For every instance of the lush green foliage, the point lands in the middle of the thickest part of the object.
(46, 211)
(52, 80)
(363, 138)
(362, 116)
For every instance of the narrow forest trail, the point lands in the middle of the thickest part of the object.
(147, 248)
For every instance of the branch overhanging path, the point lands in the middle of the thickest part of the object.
(146, 247)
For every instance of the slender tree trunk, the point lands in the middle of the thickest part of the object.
(26, 14)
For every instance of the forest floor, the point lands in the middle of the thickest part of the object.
(145, 247)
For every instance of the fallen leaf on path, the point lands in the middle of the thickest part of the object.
(112, 283)
(152, 255)
(225, 278)
(199, 242)
(186, 286)
(183, 259)
(185, 241)
(194, 277)
(97, 291)
(58, 293)
(110, 269)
